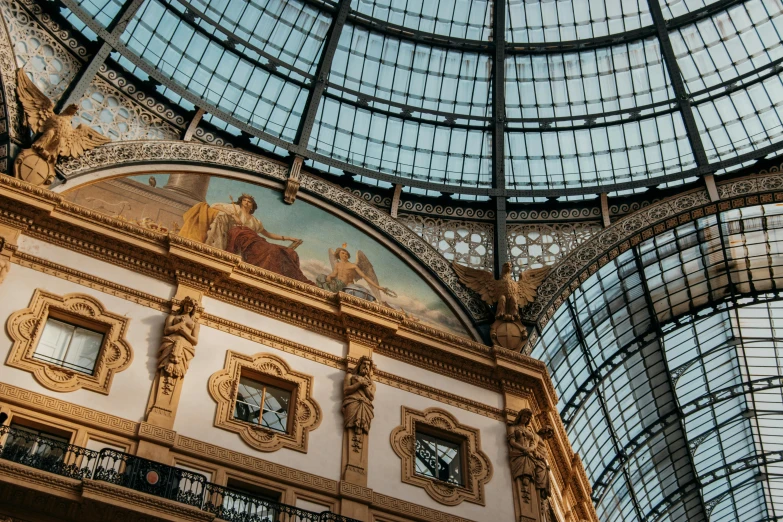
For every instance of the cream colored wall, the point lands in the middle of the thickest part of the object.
(92, 266)
(130, 388)
(384, 475)
(196, 413)
(274, 327)
(436, 380)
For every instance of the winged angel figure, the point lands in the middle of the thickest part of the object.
(345, 273)
(57, 136)
(510, 295)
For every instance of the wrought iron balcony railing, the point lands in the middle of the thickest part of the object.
(31, 449)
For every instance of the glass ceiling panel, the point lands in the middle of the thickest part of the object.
(409, 73)
(633, 151)
(409, 149)
(529, 21)
(102, 11)
(203, 66)
(290, 31)
(615, 78)
(675, 8)
(673, 392)
(742, 121)
(730, 44)
(468, 19)
(576, 123)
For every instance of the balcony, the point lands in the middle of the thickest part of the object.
(149, 477)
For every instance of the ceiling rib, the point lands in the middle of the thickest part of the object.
(499, 133)
(83, 78)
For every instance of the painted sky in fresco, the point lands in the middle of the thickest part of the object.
(321, 231)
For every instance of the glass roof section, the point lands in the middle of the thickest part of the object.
(669, 367)
(596, 96)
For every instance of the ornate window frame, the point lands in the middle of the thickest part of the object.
(304, 415)
(25, 327)
(477, 466)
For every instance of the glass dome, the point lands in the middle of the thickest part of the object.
(596, 97)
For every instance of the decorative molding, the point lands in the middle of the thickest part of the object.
(409, 509)
(549, 215)
(447, 211)
(623, 234)
(25, 328)
(157, 434)
(68, 410)
(304, 413)
(138, 152)
(91, 281)
(263, 467)
(477, 467)
(108, 493)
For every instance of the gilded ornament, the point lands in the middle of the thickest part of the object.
(57, 137)
(507, 331)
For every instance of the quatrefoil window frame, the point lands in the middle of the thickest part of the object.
(26, 326)
(304, 414)
(478, 468)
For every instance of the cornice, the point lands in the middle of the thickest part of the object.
(105, 492)
(37, 479)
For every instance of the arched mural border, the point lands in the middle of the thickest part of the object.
(136, 158)
(762, 188)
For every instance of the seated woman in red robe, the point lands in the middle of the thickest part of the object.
(232, 227)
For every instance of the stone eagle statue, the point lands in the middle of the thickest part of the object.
(58, 137)
(510, 295)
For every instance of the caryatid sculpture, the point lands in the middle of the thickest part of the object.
(177, 348)
(528, 456)
(358, 394)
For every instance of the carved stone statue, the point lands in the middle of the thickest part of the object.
(528, 456)
(177, 348)
(178, 345)
(57, 136)
(507, 331)
(358, 394)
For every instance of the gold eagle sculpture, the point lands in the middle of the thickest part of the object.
(509, 295)
(57, 135)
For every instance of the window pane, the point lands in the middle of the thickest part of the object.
(83, 351)
(249, 396)
(54, 340)
(438, 459)
(276, 404)
(69, 346)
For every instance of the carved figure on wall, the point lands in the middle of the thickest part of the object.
(232, 227)
(358, 394)
(178, 347)
(528, 455)
(57, 137)
(507, 331)
(345, 273)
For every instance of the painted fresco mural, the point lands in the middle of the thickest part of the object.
(300, 241)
